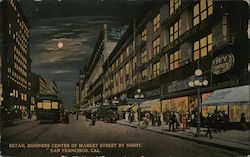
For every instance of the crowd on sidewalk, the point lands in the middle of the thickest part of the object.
(217, 121)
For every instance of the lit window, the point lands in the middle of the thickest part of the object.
(156, 69)
(156, 22)
(202, 10)
(174, 5)
(175, 31)
(174, 60)
(224, 26)
(39, 105)
(144, 73)
(144, 56)
(17, 93)
(121, 58)
(156, 46)
(127, 68)
(54, 105)
(144, 35)
(202, 47)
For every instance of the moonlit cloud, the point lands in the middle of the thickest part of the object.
(77, 24)
(61, 71)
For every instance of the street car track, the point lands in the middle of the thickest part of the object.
(20, 132)
(43, 131)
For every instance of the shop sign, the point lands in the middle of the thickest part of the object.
(223, 63)
(177, 85)
(155, 92)
(115, 33)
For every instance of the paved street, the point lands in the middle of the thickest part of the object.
(80, 132)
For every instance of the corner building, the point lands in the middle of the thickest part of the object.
(161, 50)
(16, 69)
(93, 79)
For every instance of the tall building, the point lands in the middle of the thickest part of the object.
(15, 59)
(93, 78)
(160, 52)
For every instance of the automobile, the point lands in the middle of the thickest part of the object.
(108, 113)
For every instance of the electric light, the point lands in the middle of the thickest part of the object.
(191, 84)
(198, 72)
(205, 82)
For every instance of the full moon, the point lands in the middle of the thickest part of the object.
(60, 45)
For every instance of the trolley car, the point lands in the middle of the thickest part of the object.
(48, 108)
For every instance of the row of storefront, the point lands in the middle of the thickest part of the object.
(230, 95)
(188, 105)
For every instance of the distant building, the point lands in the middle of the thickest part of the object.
(77, 94)
(15, 59)
(52, 87)
(38, 87)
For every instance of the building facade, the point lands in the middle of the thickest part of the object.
(52, 88)
(161, 50)
(38, 85)
(16, 62)
(93, 72)
(77, 94)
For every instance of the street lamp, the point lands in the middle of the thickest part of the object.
(198, 82)
(139, 95)
(115, 101)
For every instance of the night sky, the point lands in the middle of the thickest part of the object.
(77, 24)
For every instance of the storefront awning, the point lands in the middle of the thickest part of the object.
(234, 95)
(149, 103)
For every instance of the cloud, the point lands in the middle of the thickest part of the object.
(61, 71)
(53, 60)
(79, 35)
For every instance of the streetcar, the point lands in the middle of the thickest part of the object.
(48, 108)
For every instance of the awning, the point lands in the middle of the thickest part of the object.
(234, 95)
(149, 103)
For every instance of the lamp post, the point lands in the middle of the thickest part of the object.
(139, 95)
(115, 101)
(198, 82)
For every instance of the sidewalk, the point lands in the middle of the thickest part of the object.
(235, 140)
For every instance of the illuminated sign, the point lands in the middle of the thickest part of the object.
(116, 33)
(155, 92)
(223, 63)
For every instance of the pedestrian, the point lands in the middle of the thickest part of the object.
(153, 119)
(209, 124)
(172, 121)
(167, 117)
(193, 122)
(243, 122)
(226, 119)
(93, 118)
(220, 121)
(77, 116)
(66, 118)
(177, 120)
(159, 120)
(215, 121)
(147, 115)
